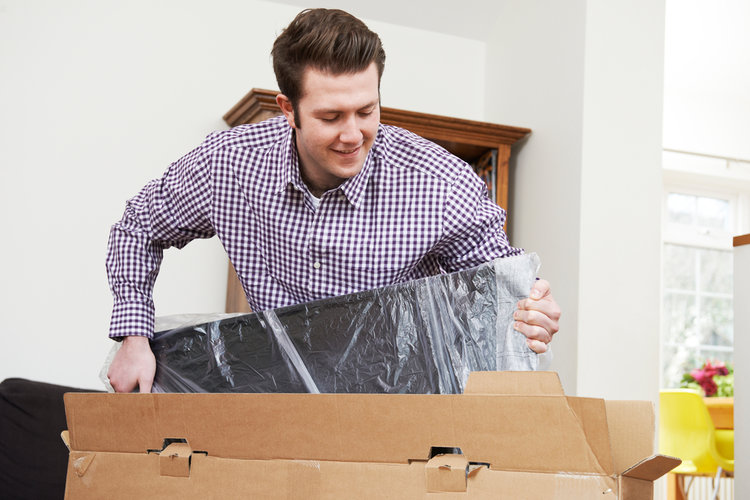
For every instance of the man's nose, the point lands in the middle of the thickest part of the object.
(351, 132)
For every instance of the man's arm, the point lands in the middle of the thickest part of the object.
(473, 234)
(167, 212)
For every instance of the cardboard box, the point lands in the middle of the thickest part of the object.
(519, 437)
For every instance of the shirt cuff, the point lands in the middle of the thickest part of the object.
(132, 318)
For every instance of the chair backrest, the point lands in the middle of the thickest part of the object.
(685, 426)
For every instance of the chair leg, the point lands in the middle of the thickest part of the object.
(675, 487)
(715, 493)
(685, 485)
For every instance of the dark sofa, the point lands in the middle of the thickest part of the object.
(33, 457)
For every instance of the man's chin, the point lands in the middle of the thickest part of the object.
(349, 167)
(344, 174)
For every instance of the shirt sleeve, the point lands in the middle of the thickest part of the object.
(472, 226)
(167, 212)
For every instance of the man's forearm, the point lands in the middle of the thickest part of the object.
(132, 267)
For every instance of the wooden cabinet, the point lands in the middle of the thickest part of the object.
(486, 146)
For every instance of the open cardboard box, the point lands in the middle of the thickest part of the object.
(519, 437)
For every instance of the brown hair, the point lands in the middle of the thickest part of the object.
(329, 40)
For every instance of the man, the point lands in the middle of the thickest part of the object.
(319, 202)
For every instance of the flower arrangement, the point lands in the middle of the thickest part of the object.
(712, 379)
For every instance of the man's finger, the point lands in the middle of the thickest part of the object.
(146, 377)
(144, 385)
(533, 317)
(540, 289)
(533, 332)
(536, 346)
(120, 386)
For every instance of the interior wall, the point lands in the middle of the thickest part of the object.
(587, 182)
(621, 185)
(97, 98)
(535, 74)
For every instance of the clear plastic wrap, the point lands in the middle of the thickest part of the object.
(423, 336)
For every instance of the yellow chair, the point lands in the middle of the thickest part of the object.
(686, 431)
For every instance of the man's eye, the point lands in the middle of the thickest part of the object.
(326, 119)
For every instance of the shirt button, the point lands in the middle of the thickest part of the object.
(316, 265)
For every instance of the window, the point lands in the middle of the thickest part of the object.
(697, 283)
(702, 212)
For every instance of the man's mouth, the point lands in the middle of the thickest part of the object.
(347, 151)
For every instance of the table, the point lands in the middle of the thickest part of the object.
(721, 411)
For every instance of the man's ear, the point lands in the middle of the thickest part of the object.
(286, 107)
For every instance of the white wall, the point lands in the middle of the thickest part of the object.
(621, 201)
(535, 74)
(587, 182)
(97, 98)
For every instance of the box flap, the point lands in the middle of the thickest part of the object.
(520, 383)
(539, 433)
(444, 473)
(634, 489)
(593, 421)
(174, 460)
(631, 431)
(652, 468)
(65, 436)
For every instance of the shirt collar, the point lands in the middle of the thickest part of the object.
(288, 162)
(353, 189)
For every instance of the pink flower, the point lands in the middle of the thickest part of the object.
(702, 374)
(705, 376)
(709, 387)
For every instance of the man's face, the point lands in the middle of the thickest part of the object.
(338, 117)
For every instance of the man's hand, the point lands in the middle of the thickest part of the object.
(537, 317)
(134, 365)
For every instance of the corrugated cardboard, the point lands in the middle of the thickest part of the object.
(519, 437)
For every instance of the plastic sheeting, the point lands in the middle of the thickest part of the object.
(422, 336)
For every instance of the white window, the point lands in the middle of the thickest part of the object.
(704, 207)
(697, 283)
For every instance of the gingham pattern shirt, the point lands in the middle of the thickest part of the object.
(413, 210)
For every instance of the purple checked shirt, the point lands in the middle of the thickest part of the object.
(414, 210)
